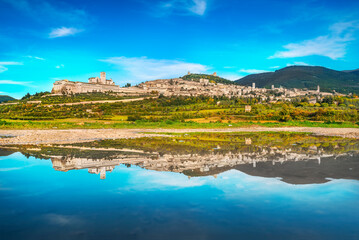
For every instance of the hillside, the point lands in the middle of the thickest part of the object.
(196, 77)
(356, 71)
(5, 98)
(306, 77)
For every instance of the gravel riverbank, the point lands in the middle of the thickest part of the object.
(56, 136)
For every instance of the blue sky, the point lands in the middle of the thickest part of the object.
(139, 40)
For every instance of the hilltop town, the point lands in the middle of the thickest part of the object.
(187, 86)
(193, 100)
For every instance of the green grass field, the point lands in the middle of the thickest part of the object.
(179, 112)
(93, 124)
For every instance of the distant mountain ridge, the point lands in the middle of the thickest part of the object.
(5, 98)
(306, 77)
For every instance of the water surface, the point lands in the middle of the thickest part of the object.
(184, 189)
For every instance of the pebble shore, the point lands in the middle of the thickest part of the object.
(68, 136)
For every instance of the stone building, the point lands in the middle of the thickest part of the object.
(248, 108)
(95, 84)
(101, 80)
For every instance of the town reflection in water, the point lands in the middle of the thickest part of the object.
(184, 186)
(303, 161)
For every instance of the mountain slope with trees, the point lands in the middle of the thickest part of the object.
(5, 98)
(197, 77)
(306, 77)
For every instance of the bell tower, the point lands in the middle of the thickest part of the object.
(103, 77)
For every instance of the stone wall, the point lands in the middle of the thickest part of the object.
(68, 87)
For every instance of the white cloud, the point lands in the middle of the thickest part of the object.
(62, 220)
(333, 48)
(10, 63)
(3, 69)
(231, 76)
(332, 45)
(10, 169)
(342, 27)
(274, 67)
(63, 32)
(252, 71)
(60, 66)
(37, 58)
(154, 180)
(298, 64)
(169, 179)
(54, 12)
(11, 82)
(197, 7)
(3, 64)
(143, 68)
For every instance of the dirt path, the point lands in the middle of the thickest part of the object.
(85, 135)
(85, 102)
(93, 102)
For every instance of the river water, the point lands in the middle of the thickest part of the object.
(250, 193)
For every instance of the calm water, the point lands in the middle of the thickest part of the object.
(173, 196)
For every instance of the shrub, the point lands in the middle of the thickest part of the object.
(169, 122)
(285, 118)
(3, 122)
(134, 118)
